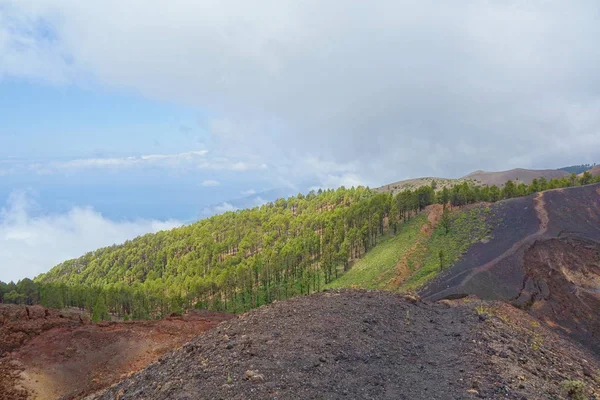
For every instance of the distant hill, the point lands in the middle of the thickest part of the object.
(416, 183)
(578, 169)
(519, 175)
(595, 171)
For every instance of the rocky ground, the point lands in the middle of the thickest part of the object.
(355, 344)
(544, 257)
(51, 354)
(19, 324)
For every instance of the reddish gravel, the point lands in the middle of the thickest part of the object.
(52, 354)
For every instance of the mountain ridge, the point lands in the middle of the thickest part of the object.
(479, 177)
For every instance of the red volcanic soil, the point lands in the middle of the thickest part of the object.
(544, 257)
(49, 357)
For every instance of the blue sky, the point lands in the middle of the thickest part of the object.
(41, 122)
(44, 125)
(119, 118)
(65, 168)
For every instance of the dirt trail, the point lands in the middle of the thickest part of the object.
(403, 268)
(542, 214)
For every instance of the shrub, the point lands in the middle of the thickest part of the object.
(574, 389)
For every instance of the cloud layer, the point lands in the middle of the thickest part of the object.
(31, 243)
(348, 91)
(210, 183)
(192, 160)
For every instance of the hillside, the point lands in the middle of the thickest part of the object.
(514, 275)
(518, 175)
(595, 171)
(378, 268)
(578, 169)
(370, 345)
(415, 183)
(241, 260)
(410, 258)
(543, 256)
(234, 261)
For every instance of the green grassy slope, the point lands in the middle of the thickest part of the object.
(378, 266)
(466, 228)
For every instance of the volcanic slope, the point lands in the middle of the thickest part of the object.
(51, 354)
(544, 256)
(355, 344)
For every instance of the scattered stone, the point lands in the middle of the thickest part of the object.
(589, 371)
(358, 347)
(413, 299)
(254, 376)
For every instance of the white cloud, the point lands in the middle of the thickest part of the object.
(259, 201)
(219, 209)
(239, 166)
(248, 192)
(124, 162)
(189, 160)
(210, 182)
(31, 244)
(398, 88)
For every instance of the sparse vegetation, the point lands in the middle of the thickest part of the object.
(466, 227)
(504, 318)
(481, 310)
(445, 220)
(378, 266)
(578, 169)
(575, 390)
(537, 341)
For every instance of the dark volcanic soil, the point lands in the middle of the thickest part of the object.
(495, 270)
(562, 287)
(492, 270)
(369, 345)
(544, 257)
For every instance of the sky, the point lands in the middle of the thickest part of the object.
(119, 118)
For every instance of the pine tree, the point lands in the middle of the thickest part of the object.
(445, 221)
(99, 312)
